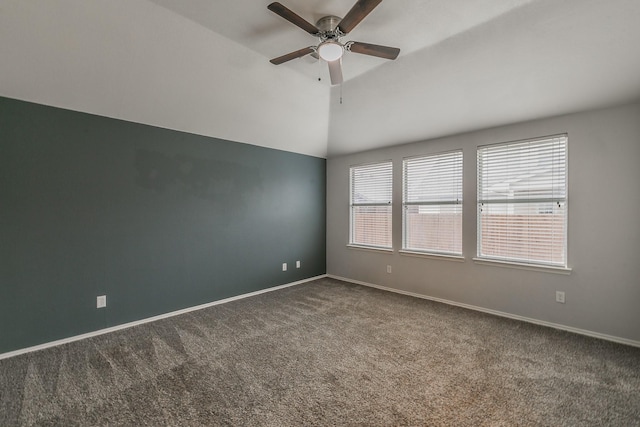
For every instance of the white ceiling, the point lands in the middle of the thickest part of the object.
(202, 66)
(411, 25)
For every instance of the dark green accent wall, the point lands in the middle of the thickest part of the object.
(157, 220)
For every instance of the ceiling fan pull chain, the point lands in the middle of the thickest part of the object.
(340, 93)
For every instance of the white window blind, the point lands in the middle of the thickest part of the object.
(371, 193)
(522, 201)
(432, 203)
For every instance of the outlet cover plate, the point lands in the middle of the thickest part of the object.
(101, 301)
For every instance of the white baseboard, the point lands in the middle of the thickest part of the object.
(357, 282)
(151, 319)
(497, 313)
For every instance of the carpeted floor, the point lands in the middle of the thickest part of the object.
(327, 353)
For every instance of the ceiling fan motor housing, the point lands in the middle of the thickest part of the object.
(328, 26)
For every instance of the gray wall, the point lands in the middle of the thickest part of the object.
(603, 290)
(157, 220)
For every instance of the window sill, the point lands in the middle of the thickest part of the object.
(370, 248)
(456, 258)
(509, 264)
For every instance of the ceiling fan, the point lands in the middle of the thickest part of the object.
(329, 30)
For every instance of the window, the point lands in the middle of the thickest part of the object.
(522, 201)
(371, 191)
(432, 204)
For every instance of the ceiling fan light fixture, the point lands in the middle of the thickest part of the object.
(330, 50)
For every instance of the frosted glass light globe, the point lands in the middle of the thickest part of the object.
(330, 51)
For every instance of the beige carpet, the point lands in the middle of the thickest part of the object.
(327, 353)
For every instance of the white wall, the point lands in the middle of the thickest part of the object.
(542, 59)
(603, 289)
(137, 61)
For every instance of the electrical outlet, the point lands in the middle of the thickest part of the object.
(101, 301)
(389, 269)
(284, 266)
(297, 264)
(560, 297)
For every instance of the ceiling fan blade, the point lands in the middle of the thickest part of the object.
(292, 17)
(293, 55)
(335, 71)
(385, 52)
(357, 13)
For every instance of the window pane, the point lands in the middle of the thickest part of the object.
(433, 228)
(371, 184)
(371, 225)
(435, 178)
(527, 232)
(523, 170)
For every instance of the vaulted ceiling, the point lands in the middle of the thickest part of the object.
(201, 66)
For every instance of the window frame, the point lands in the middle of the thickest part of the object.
(459, 201)
(389, 204)
(513, 260)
